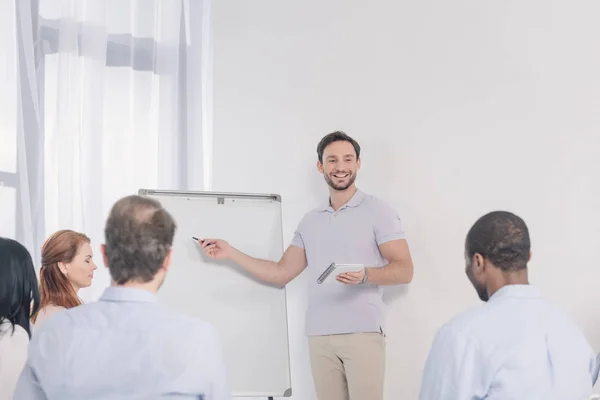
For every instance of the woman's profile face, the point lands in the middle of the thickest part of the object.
(80, 271)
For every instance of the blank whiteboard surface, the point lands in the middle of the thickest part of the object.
(250, 317)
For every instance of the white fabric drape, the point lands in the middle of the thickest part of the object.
(21, 150)
(118, 111)
(8, 120)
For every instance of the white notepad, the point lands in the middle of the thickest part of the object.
(328, 276)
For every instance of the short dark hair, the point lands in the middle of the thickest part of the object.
(139, 235)
(19, 295)
(337, 136)
(502, 238)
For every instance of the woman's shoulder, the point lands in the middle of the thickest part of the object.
(7, 327)
(46, 312)
(51, 308)
(17, 338)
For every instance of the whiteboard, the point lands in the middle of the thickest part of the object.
(250, 317)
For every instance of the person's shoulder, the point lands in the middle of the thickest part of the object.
(311, 216)
(180, 323)
(17, 335)
(48, 321)
(47, 314)
(377, 203)
(20, 333)
(556, 312)
(198, 327)
(50, 309)
(62, 318)
(483, 323)
(312, 213)
(377, 206)
(467, 324)
(563, 322)
(196, 334)
(19, 339)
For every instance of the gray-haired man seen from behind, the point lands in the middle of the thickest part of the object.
(127, 345)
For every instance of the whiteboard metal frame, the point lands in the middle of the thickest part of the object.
(219, 196)
(229, 195)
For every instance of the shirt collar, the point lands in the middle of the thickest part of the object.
(353, 202)
(120, 293)
(516, 291)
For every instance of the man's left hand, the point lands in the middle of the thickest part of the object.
(351, 278)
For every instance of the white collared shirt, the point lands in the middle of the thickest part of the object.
(517, 346)
(125, 346)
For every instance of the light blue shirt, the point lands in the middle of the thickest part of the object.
(350, 235)
(125, 346)
(517, 346)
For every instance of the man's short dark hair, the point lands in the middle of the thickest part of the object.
(502, 238)
(139, 235)
(337, 136)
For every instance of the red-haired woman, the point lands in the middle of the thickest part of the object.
(67, 266)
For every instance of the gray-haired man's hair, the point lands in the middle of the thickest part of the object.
(139, 235)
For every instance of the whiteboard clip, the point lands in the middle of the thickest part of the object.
(220, 200)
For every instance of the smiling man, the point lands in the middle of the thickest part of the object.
(344, 320)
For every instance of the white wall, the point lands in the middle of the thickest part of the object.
(461, 107)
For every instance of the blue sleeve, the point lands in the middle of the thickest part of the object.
(455, 369)
(28, 386)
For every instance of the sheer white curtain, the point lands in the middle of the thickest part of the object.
(126, 94)
(21, 151)
(8, 120)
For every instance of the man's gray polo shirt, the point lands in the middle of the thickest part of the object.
(350, 235)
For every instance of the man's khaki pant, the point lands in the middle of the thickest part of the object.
(348, 367)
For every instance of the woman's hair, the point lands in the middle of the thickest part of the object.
(19, 296)
(55, 288)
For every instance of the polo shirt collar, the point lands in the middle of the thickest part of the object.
(120, 293)
(353, 202)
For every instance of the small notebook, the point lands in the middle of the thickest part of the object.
(328, 276)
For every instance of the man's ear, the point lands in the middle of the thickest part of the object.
(358, 164)
(167, 263)
(104, 256)
(320, 166)
(529, 257)
(478, 264)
